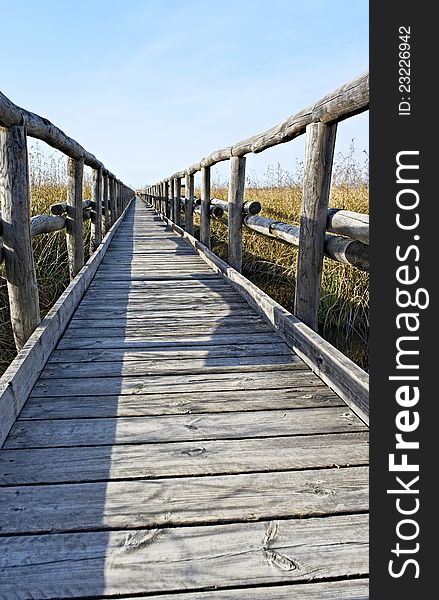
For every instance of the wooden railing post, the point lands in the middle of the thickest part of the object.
(235, 208)
(17, 244)
(74, 227)
(106, 205)
(166, 194)
(205, 207)
(112, 200)
(316, 185)
(177, 196)
(189, 204)
(96, 215)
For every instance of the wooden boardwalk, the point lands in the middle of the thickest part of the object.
(174, 446)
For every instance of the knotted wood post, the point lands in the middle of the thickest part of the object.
(74, 227)
(106, 205)
(205, 207)
(96, 215)
(17, 245)
(319, 155)
(235, 208)
(189, 204)
(177, 196)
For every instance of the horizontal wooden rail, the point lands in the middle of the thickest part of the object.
(319, 121)
(346, 101)
(340, 249)
(351, 224)
(16, 124)
(42, 129)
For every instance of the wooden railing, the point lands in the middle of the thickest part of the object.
(109, 198)
(349, 246)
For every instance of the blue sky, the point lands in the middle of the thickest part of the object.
(152, 86)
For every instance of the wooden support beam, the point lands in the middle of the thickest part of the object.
(75, 243)
(96, 215)
(166, 194)
(235, 208)
(319, 154)
(189, 204)
(205, 207)
(17, 244)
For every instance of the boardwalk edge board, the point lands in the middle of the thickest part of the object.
(342, 375)
(20, 377)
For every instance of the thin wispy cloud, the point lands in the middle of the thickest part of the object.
(150, 87)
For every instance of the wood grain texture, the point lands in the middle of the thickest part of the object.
(176, 459)
(205, 207)
(183, 501)
(200, 382)
(74, 228)
(204, 426)
(183, 558)
(346, 222)
(170, 403)
(347, 589)
(189, 205)
(319, 153)
(46, 224)
(17, 244)
(235, 208)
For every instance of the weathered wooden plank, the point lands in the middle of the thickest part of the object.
(183, 352)
(88, 564)
(135, 311)
(124, 341)
(17, 244)
(175, 459)
(319, 155)
(19, 378)
(333, 367)
(213, 318)
(180, 383)
(77, 407)
(160, 366)
(177, 428)
(183, 501)
(74, 227)
(235, 206)
(346, 589)
(171, 275)
(178, 328)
